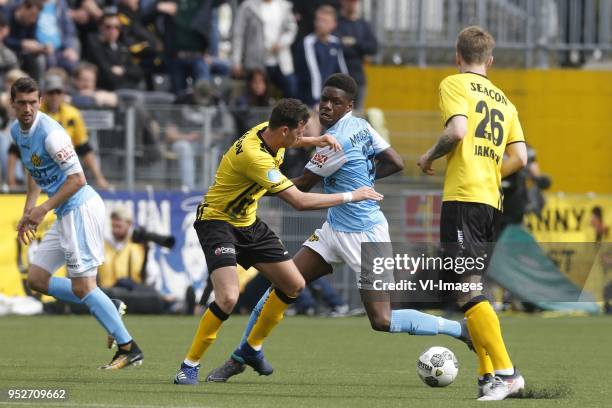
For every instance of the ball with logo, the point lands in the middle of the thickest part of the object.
(437, 367)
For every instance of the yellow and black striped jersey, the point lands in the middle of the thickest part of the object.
(473, 173)
(248, 170)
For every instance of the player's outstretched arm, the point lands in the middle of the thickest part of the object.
(313, 201)
(306, 181)
(319, 141)
(515, 158)
(453, 133)
(388, 162)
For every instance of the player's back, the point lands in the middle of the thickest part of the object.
(473, 171)
(348, 169)
(247, 171)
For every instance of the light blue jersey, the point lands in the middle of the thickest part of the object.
(48, 154)
(347, 170)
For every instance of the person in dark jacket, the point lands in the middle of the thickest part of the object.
(112, 57)
(319, 56)
(358, 41)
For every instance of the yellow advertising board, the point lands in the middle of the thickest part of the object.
(14, 255)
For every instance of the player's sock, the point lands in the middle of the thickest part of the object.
(254, 316)
(485, 329)
(210, 323)
(107, 315)
(271, 314)
(422, 324)
(485, 365)
(61, 289)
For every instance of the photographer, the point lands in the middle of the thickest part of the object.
(123, 273)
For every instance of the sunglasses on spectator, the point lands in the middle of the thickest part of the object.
(112, 26)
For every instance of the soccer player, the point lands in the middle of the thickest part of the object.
(481, 125)
(365, 156)
(76, 237)
(230, 232)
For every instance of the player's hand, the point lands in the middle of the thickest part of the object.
(25, 232)
(328, 140)
(36, 215)
(366, 193)
(425, 164)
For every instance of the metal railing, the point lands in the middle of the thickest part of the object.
(136, 148)
(531, 33)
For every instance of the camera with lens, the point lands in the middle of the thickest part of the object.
(142, 236)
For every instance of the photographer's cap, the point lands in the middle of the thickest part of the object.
(122, 213)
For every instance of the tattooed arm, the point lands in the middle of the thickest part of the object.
(453, 133)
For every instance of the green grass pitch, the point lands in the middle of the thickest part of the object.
(319, 362)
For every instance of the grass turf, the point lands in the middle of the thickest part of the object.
(319, 362)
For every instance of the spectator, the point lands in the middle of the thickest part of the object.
(85, 94)
(358, 41)
(183, 133)
(123, 273)
(142, 43)
(55, 30)
(8, 59)
(85, 14)
(263, 33)
(186, 41)
(15, 174)
(70, 118)
(22, 37)
(252, 107)
(304, 12)
(112, 57)
(124, 259)
(602, 231)
(307, 304)
(319, 57)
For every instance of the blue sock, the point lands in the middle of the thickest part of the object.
(107, 315)
(254, 316)
(422, 324)
(61, 289)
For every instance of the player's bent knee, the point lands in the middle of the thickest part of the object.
(38, 279)
(295, 288)
(83, 285)
(227, 301)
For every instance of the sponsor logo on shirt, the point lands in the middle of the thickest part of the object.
(65, 154)
(36, 161)
(224, 251)
(319, 159)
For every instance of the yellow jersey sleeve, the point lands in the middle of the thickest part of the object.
(516, 131)
(453, 100)
(79, 135)
(264, 171)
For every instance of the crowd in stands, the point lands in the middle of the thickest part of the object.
(105, 53)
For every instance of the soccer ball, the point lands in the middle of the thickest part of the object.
(437, 367)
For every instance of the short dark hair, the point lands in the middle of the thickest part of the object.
(33, 3)
(288, 112)
(24, 85)
(343, 82)
(597, 211)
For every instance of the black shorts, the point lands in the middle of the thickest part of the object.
(468, 230)
(226, 245)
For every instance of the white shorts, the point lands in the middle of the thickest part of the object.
(76, 239)
(337, 248)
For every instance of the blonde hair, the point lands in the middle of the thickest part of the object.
(475, 45)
